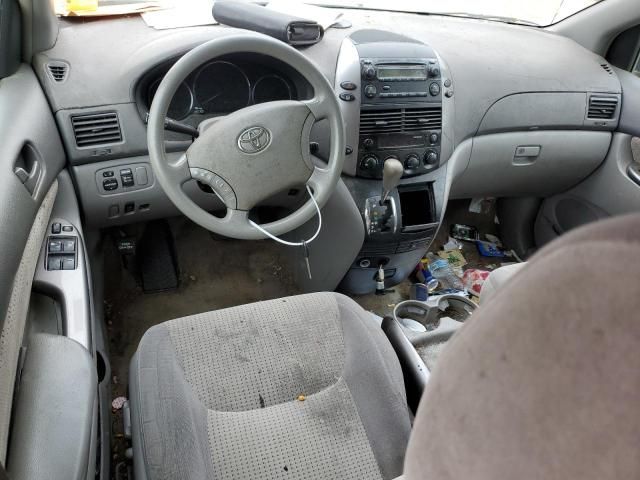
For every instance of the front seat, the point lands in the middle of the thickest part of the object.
(305, 387)
(542, 382)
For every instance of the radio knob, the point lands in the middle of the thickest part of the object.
(433, 138)
(367, 143)
(369, 162)
(434, 71)
(434, 89)
(412, 161)
(370, 91)
(431, 157)
(369, 72)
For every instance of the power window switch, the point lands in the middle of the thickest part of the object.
(54, 263)
(69, 263)
(55, 246)
(69, 245)
(55, 228)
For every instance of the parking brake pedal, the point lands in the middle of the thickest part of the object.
(157, 258)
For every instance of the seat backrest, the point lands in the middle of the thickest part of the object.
(544, 381)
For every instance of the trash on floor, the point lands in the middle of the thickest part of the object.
(473, 280)
(443, 272)
(454, 257)
(467, 233)
(118, 403)
(488, 249)
(482, 205)
(452, 244)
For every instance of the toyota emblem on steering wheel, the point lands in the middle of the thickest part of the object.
(254, 139)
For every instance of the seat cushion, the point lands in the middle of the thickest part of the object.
(498, 279)
(299, 387)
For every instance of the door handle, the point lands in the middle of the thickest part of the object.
(28, 168)
(633, 170)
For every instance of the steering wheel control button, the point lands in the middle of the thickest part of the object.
(254, 140)
(110, 184)
(434, 89)
(221, 188)
(348, 86)
(347, 97)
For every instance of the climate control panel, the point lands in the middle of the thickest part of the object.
(419, 155)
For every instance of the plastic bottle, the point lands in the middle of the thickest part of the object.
(442, 271)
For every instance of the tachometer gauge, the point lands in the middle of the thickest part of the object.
(270, 88)
(181, 104)
(221, 87)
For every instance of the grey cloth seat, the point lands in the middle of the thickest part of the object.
(498, 279)
(543, 381)
(304, 387)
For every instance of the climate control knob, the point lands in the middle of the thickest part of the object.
(431, 157)
(367, 143)
(412, 161)
(369, 162)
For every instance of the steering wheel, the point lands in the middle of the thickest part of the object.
(253, 153)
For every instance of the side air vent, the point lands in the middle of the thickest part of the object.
(602, 107)
(399, 120)
(96, 129)
(58, 71)
(607, 68)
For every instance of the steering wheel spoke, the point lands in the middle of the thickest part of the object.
(318, 106)
(178, 171)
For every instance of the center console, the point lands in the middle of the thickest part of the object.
(394, 94)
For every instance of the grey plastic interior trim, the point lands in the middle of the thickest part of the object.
(348, 70)
(610, 187)
(563, 159)
(25, 120)
(40, 26)
(336, 247)
(630, 114)
(596, 27)
(55, 411)
(96, 206)
(543, 111)
(69, 287)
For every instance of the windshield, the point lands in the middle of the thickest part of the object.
(531, 12)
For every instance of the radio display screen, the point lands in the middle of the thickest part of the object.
(400, 141)
(390, 72)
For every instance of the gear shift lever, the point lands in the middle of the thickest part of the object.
(391, 174)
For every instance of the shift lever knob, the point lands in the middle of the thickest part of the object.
(391, 174)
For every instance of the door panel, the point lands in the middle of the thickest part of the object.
(31, 157)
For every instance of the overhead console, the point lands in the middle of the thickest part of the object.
(391, 89)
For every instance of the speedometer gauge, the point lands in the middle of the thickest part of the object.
(182, 101)
(221, 87)
(270, 88)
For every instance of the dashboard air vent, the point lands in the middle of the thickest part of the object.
(399, 120)
(607, 68)
(58, 71)
(602, 107)
(96, 129)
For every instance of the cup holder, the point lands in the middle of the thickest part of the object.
(421, 317)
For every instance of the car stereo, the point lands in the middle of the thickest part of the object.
(400, 115)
